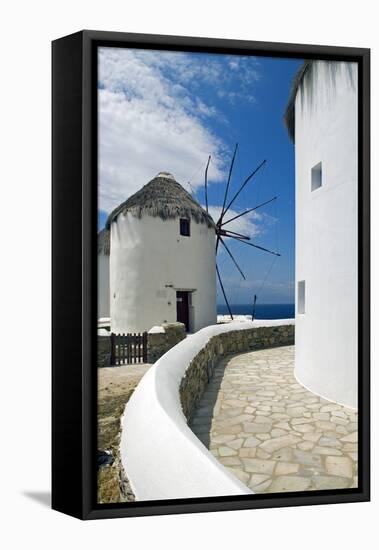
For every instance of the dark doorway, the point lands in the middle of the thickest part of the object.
(182, 309)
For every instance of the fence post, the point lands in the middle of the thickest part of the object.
(133, 342)
(128, 348)
(144, 346)
(112, 360)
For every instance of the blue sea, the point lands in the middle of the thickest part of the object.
(262, 311)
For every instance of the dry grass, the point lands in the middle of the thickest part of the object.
(115, 387)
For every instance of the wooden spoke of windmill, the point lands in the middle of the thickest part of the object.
(222, 232)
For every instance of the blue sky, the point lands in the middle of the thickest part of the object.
(169, 111)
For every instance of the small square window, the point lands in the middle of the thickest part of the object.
(184, 227)
(316, 177)
(301, 297)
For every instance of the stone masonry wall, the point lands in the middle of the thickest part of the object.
(201, 368)
(103, 351)
(158, 344)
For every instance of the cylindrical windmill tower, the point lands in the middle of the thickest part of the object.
(162, 260)
(322, 118)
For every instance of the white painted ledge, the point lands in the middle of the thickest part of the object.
(162, 457)
(157, 330)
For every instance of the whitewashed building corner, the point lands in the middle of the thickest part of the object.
(322, 119)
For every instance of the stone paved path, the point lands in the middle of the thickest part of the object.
(271, 432)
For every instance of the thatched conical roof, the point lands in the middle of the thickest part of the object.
(104, 242)
(165, 198)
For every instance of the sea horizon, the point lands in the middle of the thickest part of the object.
(262, 311)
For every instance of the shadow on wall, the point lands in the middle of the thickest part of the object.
(201, 419)
(200, 371)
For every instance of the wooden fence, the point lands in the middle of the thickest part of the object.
(127, 349)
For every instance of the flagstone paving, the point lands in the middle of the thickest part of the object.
(271, 432)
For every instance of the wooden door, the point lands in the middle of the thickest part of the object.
(182, 309)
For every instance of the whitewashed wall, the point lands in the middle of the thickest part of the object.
(103, 306)
(326, 236)
(149, 261)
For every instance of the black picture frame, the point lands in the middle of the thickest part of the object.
(74, 206)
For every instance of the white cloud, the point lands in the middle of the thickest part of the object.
(234, 97)
(151, 118)
(246, 225)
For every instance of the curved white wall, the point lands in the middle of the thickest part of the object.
(149, 261)
(161, 456)
(103, 307)
(326, 235)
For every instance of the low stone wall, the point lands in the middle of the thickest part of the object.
(103, 351)
(201, 368)
(157, 445)
(159, 343)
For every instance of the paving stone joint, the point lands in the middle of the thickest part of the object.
(264, 427)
